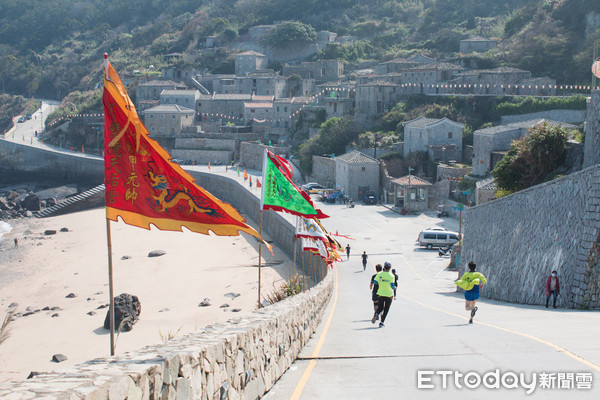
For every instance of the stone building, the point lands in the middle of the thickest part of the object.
(497, 140)
(326, 37)
(502, 81)
(218, 105)
(485, 191)
(422, 78)
(320, 70)
(476, 45)
(165, 122)
(441, 138)
(374, 98)
(256, 33)
(411, 192)
(396, 65)
(263, 84)
(184, 98)
(250, 61)
(147, 94)
(357, 173)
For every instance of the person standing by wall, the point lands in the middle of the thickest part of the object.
(552, 289)
(471, 282)
(385, 291)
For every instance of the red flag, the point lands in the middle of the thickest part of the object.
(258, 183)
(143, 187)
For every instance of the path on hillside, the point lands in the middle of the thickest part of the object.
(426, 329)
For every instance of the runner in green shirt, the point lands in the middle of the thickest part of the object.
(385, 282)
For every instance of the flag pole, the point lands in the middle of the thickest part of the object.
(303, 273)
(295, 242)
(111, 308)
(259, 258)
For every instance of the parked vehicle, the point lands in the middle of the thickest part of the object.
(437, 238)
(370, 198)
(445, 251)
(21, 120)
(311, 186)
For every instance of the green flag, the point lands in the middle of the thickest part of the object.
(279, 192)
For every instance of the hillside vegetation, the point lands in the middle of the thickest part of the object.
(49, 48)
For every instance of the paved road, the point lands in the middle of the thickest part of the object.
(427, 330)
(25, 132)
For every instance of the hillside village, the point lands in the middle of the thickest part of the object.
(201, 117)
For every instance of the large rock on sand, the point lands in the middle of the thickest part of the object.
(127, 312)
(32, 203)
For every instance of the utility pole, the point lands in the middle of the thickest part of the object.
(409, 169)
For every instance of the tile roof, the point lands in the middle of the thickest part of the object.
(414, 181)
(171, 108)
(162, 83)
(233, 96)
(251, 53)
(171, 92)
(421, 122)
(523, 125)
(262, 98)
(355, 156)
(258, 105)
(477, 39)
(486, 184)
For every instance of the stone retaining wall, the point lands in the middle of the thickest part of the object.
(516, 241)
(240, 359)
(569, 116)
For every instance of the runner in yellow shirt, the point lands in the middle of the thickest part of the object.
(471, 282)
(385, 281)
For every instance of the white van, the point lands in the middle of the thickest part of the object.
(437, 238)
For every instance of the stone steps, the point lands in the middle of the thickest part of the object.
(61, 206)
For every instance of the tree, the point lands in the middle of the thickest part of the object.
(289, 32)
(532, 158)
(335, 135)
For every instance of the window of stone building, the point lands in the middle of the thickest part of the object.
(420, 135)
(449, 135)
(363, 169)
(162, 116)
(151, 115)
(284, 109)
(277, 108)
(252, 110)
(173, 116)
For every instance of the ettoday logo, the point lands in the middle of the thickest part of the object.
(497, 379)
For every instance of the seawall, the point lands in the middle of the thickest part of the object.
(20, 161)
(517, 241)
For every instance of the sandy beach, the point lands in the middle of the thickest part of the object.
(44, 269)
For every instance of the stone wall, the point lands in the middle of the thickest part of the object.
(323, 171)
(205, 143)
(569, 116)
(592, 131)
(204, 156)
(240, 359)
(516, 241)
(28, 162)
(251, 154)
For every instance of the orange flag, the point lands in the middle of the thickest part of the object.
(209, 165)
(245, 175)
(143, 187)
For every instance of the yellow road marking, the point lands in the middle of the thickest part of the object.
(542, 341)
(311, 365)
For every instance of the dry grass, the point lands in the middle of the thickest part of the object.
(5, 330)
(289, 288)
